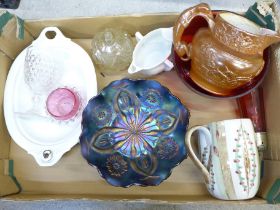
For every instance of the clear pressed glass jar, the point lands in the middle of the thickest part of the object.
(112, 50)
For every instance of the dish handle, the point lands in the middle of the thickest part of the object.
(47, 157)
(51, 35)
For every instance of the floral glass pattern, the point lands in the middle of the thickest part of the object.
(133, 132)
(112, 50)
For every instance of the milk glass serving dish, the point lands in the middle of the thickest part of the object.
(43, 70)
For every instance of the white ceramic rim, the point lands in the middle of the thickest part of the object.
(228, 120)
(230, 17)
(147, 36)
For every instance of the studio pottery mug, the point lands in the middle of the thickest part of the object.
(150, 56)
(228, 159)
(225, 55)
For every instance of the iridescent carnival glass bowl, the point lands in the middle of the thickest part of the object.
(133, 132)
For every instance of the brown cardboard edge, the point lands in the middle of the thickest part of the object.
(205, 199)
(5, 62)
(127, 22)
(10, 45)
(269, 178)
(8, 184)
(103, 16)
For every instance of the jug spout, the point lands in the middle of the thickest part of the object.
(271, 40)
(270, 37)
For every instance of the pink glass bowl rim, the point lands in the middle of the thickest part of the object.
(63, 95)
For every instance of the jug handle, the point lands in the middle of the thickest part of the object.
(184, 49)
(193, 156)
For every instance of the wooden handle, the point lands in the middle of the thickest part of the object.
(183, 49)
(196, 161)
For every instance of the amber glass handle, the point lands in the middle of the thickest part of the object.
(184, 49)
(193, 156)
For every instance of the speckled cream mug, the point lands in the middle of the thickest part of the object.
(228, 158)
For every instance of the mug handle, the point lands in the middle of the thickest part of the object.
(193, 156)
(184, 49)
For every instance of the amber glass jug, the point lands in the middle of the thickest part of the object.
(227, 54)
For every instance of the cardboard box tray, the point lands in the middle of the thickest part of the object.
(72, 177)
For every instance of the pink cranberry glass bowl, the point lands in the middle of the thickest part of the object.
(63, 103)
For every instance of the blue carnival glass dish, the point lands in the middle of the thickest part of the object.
(133, 132)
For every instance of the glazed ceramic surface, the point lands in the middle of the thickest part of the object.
(228, 158)
(133, 132)
(226, 55)
(183, 68)
(150, 56)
